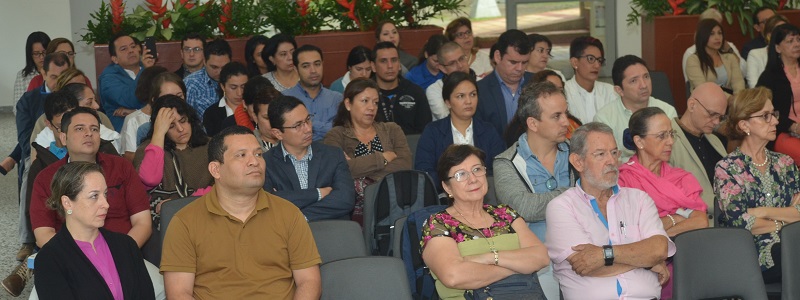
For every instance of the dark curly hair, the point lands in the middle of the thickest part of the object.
(198, 138)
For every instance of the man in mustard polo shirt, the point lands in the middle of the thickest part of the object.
(237, 241)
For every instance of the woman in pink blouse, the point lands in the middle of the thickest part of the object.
(83, 260)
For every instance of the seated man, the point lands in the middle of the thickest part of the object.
(401, 101)
(129, 208)
(232, 79)
(606, 242)
(118, 81)
(696, 148)
(450, 58)
(202, 87)
(632, 83)
(312, 175)
(237, 241)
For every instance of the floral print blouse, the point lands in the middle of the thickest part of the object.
(444, 224)
(738, 186)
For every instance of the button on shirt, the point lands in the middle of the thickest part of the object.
(201, 91)
(510, 98)
(572, 221)
(300, 166)
(323, 107)
(461, 139)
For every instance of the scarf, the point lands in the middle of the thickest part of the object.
(674, 189)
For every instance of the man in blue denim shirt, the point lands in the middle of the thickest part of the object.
(320, 101)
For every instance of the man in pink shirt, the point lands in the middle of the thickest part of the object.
(605, 241)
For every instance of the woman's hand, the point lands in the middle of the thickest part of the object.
(389, 156)
(164, 119)
(122, 112)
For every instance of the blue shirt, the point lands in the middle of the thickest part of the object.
(201, 91)
(300, 165)
(323, 107)
(117, 89)
(537, 173)
(421, 76)
(511, 99)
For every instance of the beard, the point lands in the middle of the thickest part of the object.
(600, 181)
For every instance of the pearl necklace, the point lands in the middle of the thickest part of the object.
(766, 159)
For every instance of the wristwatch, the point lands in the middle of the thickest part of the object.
(608, 254)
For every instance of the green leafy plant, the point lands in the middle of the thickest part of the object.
(98, 28)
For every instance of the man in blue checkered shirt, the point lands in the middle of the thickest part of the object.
(202, 87)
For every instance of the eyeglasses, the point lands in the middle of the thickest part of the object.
(767, 116)
(591, 59)
(462, 175)
(38, 54)
(664, 134)
(465, 34)
(195, 49)
(711, 114)
(70, 53)
(301, 124)
(543, 50)
(58, 128)
(460, 60)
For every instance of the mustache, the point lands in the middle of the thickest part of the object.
(611, 168)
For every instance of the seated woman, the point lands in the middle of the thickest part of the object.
(164, 84)
(709, 63)
(61, 45)
(675, 192)
(540, 55)
(757, 58)
(460, 94)
(173, 159)
(460, 31)
(277, 54)
(144, 93)
(386, 31)
(757, 188)
(358, 65)
(252, 56)
(426, 72)
(470, 245)
(373, 148)
(84, 260)
(728, 47)
(782, 77)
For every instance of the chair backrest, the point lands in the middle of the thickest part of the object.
(661, 87)
(338, 239)
(394, 196)
(169, 209)
(790, 264)
(419, 276)
(413, 140)
(491, 194)
(703, 268)
(367, 277)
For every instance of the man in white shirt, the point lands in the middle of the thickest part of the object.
(451, 59)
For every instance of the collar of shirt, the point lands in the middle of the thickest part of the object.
(45, 88)
(228, 109)
(462, 139)
(288, 156)
(59, 152)
(537, 174)
(588, 198)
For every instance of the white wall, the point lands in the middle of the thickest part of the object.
(20, 18)
(629, 38)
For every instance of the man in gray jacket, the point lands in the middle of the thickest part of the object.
(536, 169)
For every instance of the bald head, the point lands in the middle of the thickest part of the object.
(705, 106)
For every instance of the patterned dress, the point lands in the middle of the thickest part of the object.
(362, 183)
(738, 186)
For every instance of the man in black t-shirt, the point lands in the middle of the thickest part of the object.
(401, 101)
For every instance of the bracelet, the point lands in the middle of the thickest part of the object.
(496, 257)
(672, 219)
(777, 226)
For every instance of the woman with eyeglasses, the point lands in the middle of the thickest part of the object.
(587, 94)
(782, 77)
(373, 148)
(675, 191)
(710, 62)
(460, 31)
(757, 189)
(61, 45)
(460, 94)
(35, 48)
(471, 245)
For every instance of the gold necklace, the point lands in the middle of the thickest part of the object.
(489, 240)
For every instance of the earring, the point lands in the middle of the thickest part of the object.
(449, 195)
(69, 211)
(747, 132)
(641, 148)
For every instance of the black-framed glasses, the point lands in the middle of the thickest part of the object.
(299, 125)
(68, 53)
(462, 175)
(192, 49)
(711, 114)
(664, 134)
(38, 53)
(767, 116)
(465, 34)
(592, 59)
(461, 60)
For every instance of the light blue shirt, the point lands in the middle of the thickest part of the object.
(323, 107)
(300, 165)
(201, 91)
(538, 175)
(510, 99)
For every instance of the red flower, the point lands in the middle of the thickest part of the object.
(384, 4)
(781, 4)
(159, 10)
(225, 17)
(186, 4)
(117, 14)
(676, 10)
(302, 7)
(351, 10)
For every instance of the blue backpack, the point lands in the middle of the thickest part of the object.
(419, 276)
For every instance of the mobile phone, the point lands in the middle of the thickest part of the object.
(150, 43)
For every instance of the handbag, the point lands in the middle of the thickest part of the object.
(517, 287)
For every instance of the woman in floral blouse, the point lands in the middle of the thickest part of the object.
(464, 244)
(757, 188)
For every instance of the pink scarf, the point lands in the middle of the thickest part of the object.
(674, 189)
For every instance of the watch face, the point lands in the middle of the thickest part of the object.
(608, 252)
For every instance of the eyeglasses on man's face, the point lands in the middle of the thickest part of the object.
(189, 50)
(462, 175)
(461, 60)
(712, 114)
(301, 124)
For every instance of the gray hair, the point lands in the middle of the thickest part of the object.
(578, 142)
(529, 105)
